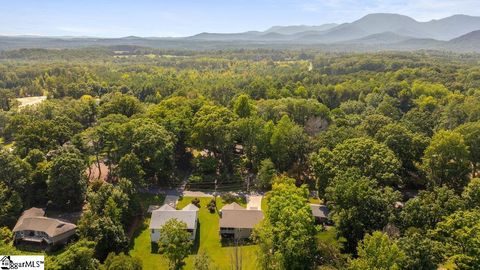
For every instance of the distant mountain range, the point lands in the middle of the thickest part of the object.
(379, 31)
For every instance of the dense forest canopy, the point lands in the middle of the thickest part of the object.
(389, 141)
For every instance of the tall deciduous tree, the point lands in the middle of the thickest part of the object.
(67, 183)
(175, 242)
(78, 256)
(212, 130)
(289, 143)
(243, 106)
(154, 146)
(422, 253)
(286, 236)
(471, 136)
(460, 234)
(446, 160)
(374, 160)
(122, 262)
(407, 145)
(471, 194)
(429, 207)
(130, 167)
(378, 252)
(359, 206)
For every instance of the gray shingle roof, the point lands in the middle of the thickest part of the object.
(319, 210)
(33, 220)
(161, 216)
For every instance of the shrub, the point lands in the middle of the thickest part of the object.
(196, 202)
(212, 206)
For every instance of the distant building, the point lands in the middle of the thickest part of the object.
(320, 212)
(34, 228)
(189, 215)
(237, 222)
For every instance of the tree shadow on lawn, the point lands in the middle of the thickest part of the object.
(138, 231)
(196, 241)
(230, 242)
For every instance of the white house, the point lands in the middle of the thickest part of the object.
(189, 215)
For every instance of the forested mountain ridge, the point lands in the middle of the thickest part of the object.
(373, 32)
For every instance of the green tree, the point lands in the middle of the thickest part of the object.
(6, 236)
(471, 136)
(154, 146)
(118, 103)
(460, 234)
(419, 120)
(322, 169)
(108, 235)
(122, 262)
(212, 130)
(243, 106)
(14, 172)
(66, 181)
(446, 160)
(254, 134)
(378, 252)
(407, 145)
(471, 194)
(289, 144)
(429, 207)
(175, 242)
(266, 173)
(130, 167)
(10, 205)
(77, 256)
(359, 206)
(422, 253)
(286, 236)
(201, 261)
(374, 122)
(373, 159)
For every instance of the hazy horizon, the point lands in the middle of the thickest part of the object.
(147, 18)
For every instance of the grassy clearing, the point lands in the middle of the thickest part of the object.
(208, 240)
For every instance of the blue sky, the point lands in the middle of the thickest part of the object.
(187, 17)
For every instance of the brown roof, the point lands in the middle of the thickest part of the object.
(33, 220)
(235, 216)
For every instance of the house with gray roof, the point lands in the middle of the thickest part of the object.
(320, 213)
(34, 228)
(236, 222)
(189, 215)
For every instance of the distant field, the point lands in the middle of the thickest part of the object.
(27, 101)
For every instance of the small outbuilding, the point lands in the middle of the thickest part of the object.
(320, 212)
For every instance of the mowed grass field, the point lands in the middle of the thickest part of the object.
(208, 240)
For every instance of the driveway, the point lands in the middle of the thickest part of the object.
(171, 200)
(254, 202)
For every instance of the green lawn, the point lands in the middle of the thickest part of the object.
(209, 241)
